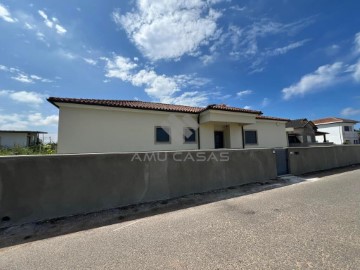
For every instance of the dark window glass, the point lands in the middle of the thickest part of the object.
(251, 137)
(346, 128)
(162, 134)
(189, 135)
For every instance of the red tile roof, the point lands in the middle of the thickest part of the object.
(263, 117)
(133, 104)
(223, 107)
(330, 120)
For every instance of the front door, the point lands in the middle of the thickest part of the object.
(219, 139)
(281, 161)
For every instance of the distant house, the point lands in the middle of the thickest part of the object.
(341, 131)
(12, 138)
(302, 132)
(92, 125)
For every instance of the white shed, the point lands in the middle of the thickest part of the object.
(22, 138)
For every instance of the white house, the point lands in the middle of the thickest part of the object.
(13, 138)
(340, 131)
(90, 126)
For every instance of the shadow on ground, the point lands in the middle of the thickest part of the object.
(29, 232)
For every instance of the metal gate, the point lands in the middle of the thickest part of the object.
(281, 161)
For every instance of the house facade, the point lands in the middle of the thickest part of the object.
(340, 130)
(302, 132)
(97, 126)
(14, 138)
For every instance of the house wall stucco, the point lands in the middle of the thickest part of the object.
(95, 129)
(13, 139)
(270, 134)
(337, 134)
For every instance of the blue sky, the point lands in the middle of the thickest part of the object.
(293, 59)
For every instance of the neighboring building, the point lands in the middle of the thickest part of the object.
(341, 131)
(90, 126)
(302, 132)
(13, 138)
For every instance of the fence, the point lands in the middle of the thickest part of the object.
(311, 159)
(43, 187)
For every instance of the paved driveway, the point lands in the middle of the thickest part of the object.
(314, 224)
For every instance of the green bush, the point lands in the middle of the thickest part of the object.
(41, 149)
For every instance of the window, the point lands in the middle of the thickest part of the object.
(251, 137)
(309, 139)
(356, 142)
(189, 135)
(162, 134)
(347, 128)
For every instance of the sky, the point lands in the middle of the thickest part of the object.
(291, 59)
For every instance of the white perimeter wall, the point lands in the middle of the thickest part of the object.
(270, 134)
(13, 139)
(90, 129)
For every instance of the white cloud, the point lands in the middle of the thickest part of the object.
(60, 29)
(66, 54)
(265, 102)
(247, 107)
(5, 14)
(12, 122)
(188, 98)
(29, 26)
(244, 93)
(169, 29)
(324, 76)
(48, 22)
(26, 121)
(31, 98)
(90, 61)
(37, 119)
(285, 49)
(120, 67)
(52, 23)
(350, 111)
(161, 88)
(208, 58)
(356, 71)
(40, 36)
(156, 86)
(22, 76)
(245, 41)
(238, 8)
(357, 42)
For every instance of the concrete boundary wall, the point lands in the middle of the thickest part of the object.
(34, 188)
(311, 159)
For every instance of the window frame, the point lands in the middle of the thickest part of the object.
(349, 128)
(257, 138)
(167, 129)
(195, 135)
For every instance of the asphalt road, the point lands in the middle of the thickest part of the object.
(314, 224)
